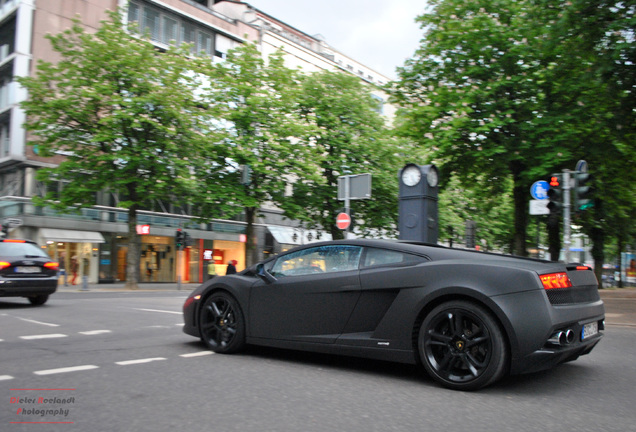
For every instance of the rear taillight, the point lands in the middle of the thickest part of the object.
(4, 265)
(555, 280)
(13, 241)
(52, 265)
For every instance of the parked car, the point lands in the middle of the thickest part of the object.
(26, 270)
(468, 317)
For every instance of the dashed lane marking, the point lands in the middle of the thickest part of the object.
(38, 322)
(157, 310)
(196, 354)
(94, 332)
(66, 370)
(5, 377)
(139, 361)
(44, 336)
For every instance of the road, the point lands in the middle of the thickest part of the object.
(119, 361)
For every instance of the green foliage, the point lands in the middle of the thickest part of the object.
(349, 136)
(256, 102)
(125, 119)
(520, 89)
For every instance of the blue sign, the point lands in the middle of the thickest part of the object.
(539, 190)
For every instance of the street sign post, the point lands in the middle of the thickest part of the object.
(343, 220)
(539, 190)
(539, 207)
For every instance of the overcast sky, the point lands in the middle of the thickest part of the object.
(380, 34)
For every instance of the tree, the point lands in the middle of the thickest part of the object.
(125, 118)
(255, 103)
(477, 92)
(350, 137)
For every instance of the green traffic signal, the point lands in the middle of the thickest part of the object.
(582, 197)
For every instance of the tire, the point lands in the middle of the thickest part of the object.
(39, 300)
(221, 324)
(462, 347)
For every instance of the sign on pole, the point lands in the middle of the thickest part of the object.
(539, 207)
(343, 221)
(539, 190)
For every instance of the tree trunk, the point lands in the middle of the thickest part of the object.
(134, 250)
(619, 246)
(598, 237)
(520, 196)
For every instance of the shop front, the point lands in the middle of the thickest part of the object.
(76, 251)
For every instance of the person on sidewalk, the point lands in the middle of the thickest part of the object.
(74, 269)
(211, 269)
(231, 267)
(62, 263)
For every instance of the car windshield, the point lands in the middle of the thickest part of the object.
(20, 250)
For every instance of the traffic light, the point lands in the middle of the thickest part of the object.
(179, 239)
(555, 193)
(582, 191)
(187, 240)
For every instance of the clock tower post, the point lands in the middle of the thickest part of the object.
(417, 209)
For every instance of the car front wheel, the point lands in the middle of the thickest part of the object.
(38, 300)
(462, 346)
(221, 324)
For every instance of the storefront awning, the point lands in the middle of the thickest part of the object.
(70, 236)
(296, 236)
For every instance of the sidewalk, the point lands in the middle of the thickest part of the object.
(116, 287)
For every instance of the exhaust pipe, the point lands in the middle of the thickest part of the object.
(562, 338)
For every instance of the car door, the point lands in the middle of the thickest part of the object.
(312, 298)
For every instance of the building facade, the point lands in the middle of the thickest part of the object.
(97, 237)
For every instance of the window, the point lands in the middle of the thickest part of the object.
(322, 259)
(380, 257)
(167, 28)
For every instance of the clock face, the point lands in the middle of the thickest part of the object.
(432, 177)
(411, 175)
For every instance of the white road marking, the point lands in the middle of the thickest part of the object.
(65, 370)
(139, 361)
(157, 310)
(94, 332)
(44, 336)
(38, 322)
(5, 377)
(197, 354)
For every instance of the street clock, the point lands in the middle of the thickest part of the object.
(418, 213)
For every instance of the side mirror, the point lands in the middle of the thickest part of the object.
(264, 274)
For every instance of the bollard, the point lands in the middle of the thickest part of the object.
(84, 283)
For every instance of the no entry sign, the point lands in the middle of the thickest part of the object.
(343, 221)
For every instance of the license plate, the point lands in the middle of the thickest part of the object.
(22, 269)
(589, 330)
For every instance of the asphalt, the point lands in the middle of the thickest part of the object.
(620, 303)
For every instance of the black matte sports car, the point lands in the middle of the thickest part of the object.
(468, 317)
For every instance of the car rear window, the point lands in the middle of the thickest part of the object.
(378, 257)
(21, 249)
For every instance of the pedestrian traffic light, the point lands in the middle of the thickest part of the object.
(582, 191)
(555, 193)
(179, 239)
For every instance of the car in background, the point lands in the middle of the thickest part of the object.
(26, 270)
(468, 317)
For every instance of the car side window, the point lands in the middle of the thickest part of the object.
(374, 257)
(321, 259)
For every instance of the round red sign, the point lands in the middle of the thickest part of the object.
(343, 221)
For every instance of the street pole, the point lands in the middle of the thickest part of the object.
(347, 199)
(567, 229)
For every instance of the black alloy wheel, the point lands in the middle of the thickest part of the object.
(221, 324)
(462, 347)
(38, 300)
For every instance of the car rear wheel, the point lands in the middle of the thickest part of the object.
(221, 324)
(38, 300)
(462, 346)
